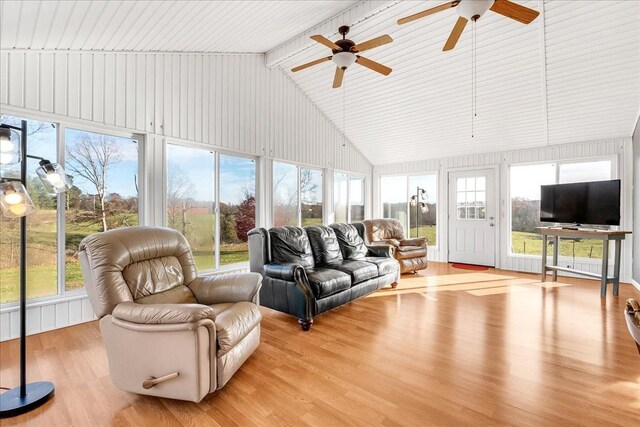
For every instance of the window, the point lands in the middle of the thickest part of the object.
(525, 182)
(42, 228)
(289, 182)
(104, 172)
(348, 197)
(471, 198)
(191, 200)
(419, 218)
(237, 211)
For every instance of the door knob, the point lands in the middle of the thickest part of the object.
(491, 224)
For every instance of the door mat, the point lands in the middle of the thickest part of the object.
(469, 266)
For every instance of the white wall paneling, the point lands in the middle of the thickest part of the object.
(619, 149)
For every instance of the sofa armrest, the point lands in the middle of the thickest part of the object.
(221, 288)
(157, 314)
(418, 241)
(287, 271)
(380, 250)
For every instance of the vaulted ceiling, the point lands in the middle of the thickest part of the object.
(572, 75)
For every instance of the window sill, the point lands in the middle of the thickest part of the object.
(44, 301)
(226, 268)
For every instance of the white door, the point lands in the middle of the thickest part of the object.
(472, 229)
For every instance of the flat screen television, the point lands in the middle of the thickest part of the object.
(591, 203)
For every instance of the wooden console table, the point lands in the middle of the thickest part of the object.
(605, 235)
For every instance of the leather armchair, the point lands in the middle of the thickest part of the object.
(632, 314)
(410, 253)
(168, 332)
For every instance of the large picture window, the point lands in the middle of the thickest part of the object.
(348, 197)
(103, 172)
(419, 219)
(297, 195)
(525, 182)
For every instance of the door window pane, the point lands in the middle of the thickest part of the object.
(356, 198)
(340, 201)
(285, 194)
(311, 196)
(471, 203)
(237, 207)
(104, 172)
(426, 210)
(42, 225)
(191, 200)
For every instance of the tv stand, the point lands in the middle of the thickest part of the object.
(575, 233)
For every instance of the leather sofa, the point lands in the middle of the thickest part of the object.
(307, 271)
(168, 332)
(410, 253)
(632, 315)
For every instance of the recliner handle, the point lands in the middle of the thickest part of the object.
(153, 381)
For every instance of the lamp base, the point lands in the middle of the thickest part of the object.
(38, 393)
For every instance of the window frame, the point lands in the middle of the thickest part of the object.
(350, 176)
(216, 174)
(435, 173)
(61, 127)
(299, 167)
(615, 169)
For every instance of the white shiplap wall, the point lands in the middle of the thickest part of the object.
(619, 149)
(232, 102)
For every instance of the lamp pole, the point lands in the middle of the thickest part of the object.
(419, 201)
(28, 396)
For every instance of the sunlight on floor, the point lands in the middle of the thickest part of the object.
(477, 284)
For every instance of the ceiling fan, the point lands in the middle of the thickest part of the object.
(345, 53)
(472, 10)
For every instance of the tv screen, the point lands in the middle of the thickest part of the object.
(593, 203)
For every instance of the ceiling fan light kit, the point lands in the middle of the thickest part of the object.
(344, 59)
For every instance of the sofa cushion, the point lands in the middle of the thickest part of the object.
(405, 252)
(358, 270)
(327, 281)
(351, 242)
(290, 245)
(234, 322)
(385, 265)
(324, 244)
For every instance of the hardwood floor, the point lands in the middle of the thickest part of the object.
(447, 347)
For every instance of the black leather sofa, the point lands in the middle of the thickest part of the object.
(307, 271)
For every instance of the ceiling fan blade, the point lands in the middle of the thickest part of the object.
(311, 64)
(373, 65)
(427, 12)
(325, 41)
(514, 11)
(370, 44)
(337, 79)
(455, 34)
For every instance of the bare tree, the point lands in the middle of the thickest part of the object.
(178, 200)
(90, 158)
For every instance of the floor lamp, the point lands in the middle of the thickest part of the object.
(16, 203)
(419, 201)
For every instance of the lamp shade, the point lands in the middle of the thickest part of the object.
(9, 146)
(424, 208)
(53, 177)
(14, 200)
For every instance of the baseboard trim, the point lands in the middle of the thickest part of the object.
(635, 284)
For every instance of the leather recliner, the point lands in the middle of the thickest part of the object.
(632, 315)
(312, 270)
(410, 253)
(168, 332)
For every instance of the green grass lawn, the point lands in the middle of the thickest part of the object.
(531, 244)
(428, 231)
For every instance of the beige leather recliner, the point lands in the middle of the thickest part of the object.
(168, 332)
(410, 253)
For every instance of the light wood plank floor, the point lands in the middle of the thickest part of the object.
(448, 347)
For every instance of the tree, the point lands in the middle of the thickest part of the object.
(286, 208)
(245, 218)
(525, 214)
(90, 158)
(178, 200)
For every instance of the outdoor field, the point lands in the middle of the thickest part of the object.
(531, 244)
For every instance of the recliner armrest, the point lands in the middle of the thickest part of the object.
(286, 271)
(162, 313)
(221, 288)
(379, 250)
(418, 241)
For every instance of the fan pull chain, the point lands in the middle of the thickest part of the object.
(344, 121)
